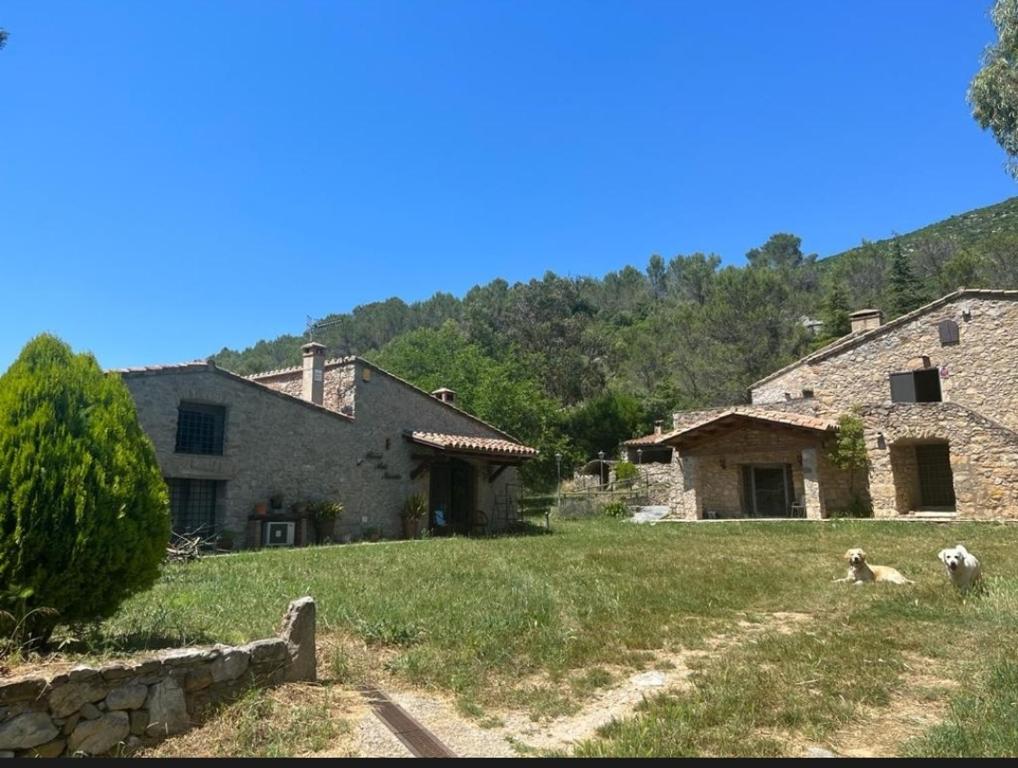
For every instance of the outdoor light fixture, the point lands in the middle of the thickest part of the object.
(639, 455)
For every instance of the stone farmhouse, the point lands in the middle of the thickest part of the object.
(340, 430)
(936, 394)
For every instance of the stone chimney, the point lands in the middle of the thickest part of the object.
(866, 319)
(445, 394)
(657, 426)
(314, 372)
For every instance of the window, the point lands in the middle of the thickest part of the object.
(807, 392)
(193, 506)
(948, 330)
(200, 428)
(916, 386)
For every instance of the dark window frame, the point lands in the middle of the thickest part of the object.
(193, 506)
(916, 386)
(201, 428)
(949, 332)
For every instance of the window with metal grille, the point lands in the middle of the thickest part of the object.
(193, 506)
(936, 480)
(200, 428)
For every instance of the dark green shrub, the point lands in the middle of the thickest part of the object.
(625, 473)
(84, 516)
(615, 509)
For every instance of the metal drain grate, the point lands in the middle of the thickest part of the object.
(419, 740)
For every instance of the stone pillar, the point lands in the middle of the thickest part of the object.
(811, 484)
(253, 539)
(299, 633)
(314, 372)
(685, 500)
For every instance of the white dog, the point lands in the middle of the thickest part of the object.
(962, 566)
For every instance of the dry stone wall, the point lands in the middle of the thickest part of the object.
(119, 707)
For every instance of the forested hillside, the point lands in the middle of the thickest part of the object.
(576, 364)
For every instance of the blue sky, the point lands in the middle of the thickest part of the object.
(180, 176)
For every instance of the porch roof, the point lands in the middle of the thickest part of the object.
(735, 417)
(480, 446)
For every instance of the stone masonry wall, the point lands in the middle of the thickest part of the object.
(122, 706)
(977, 372)
(271, 443)
(984, 458)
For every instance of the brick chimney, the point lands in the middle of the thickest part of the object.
(657, 426)
(445, 394)
(314, 372)
(866, 319)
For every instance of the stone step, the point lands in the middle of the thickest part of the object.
(649, 514)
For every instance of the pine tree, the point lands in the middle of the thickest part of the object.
(835, 313)
(905, 291)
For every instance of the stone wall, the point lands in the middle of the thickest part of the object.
(976, 372)
(125, 705)
(984, 458)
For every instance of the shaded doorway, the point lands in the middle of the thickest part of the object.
(767, 490)
(451, 497)
(936, 480)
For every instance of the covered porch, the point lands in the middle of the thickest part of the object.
(756, 464)
(465, 482)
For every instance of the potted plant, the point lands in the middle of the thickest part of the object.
(276, 500)
(261, 508)
(414, 510)
(324, 514)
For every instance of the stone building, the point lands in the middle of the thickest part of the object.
(341, 430)
(939, 405)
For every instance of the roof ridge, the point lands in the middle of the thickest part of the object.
(847, 341)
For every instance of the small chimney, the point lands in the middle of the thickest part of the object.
(866, 319)
(445, 394)
(657, 426)
(314, 372)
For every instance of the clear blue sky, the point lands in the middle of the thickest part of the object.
(180, 176)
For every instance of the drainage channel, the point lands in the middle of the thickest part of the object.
(419, 740)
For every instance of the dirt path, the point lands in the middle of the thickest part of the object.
(518, 733)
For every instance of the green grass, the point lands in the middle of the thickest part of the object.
(529, 622)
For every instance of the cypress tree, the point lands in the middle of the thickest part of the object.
(84, 516)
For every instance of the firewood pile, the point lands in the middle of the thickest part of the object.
(184, 547)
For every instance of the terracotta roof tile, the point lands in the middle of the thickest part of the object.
(470, 444)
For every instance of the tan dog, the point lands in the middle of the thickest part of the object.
(860, 572)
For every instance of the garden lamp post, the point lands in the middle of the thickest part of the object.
(600, 469)
(558, 492)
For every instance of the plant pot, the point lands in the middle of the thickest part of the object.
(261, 509)
(411, 527)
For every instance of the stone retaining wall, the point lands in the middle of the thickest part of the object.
(119, 707)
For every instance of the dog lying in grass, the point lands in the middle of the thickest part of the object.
(860, 572)
(962, 566)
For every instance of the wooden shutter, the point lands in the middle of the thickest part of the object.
(902, 388)
(949, 333)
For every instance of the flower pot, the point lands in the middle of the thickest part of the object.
(261, 508)
(411, 527)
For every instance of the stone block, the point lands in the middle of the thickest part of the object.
(28, 730)
(22, 689)
(90, 711)
(139, 721)
(299, 633)
(97, 737)
(131, 696)
(167, 709)
(230, 665)
(267, 652)
(69, 698)
(53, 748)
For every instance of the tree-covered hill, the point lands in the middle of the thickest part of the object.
(578, 364)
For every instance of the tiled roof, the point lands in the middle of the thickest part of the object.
(758, 414)
(299, 368)
(852, 339)
(470, 444)
(194, 365)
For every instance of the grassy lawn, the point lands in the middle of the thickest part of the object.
(535, 622)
